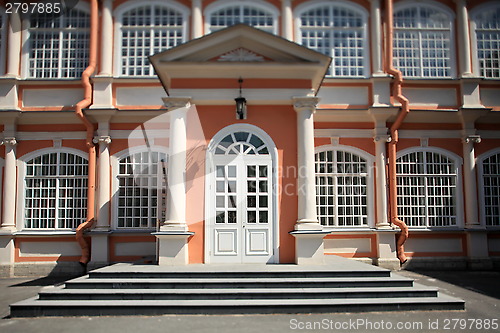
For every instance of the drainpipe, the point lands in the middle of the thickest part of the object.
(405, 109)
(85, 103)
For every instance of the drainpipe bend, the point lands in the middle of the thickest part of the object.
(397, 94)
(85, 103)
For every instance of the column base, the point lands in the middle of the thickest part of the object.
(99, 247)
(173, 247)
(308, 225)
(387, 249)
(309, 246)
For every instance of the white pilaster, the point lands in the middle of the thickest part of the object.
(14, 47)
(463, 38)
(470, 183)
(196, 19)
(307, 216)
(104, 179)
(9, 185)
(287, 19)
(376, 37)
(381, 178)
(173, 235)
(107, 39)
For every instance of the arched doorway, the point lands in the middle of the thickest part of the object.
(240, 213)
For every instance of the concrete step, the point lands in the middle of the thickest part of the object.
(237, 274)
(35, 307)
(60, 293)
(222, 283)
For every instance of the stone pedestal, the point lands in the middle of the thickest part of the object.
(309, 248)
(387, 250)
(173, 249)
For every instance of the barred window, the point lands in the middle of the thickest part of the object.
(427, 189)
(147, 30)
(250, 14)
(58, 47)
(339, 31)
(55, 191)
(140, 184)
(422, 41)
(341, 189)
(491, 190)
(487, 24)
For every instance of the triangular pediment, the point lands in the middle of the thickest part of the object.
(240, 51)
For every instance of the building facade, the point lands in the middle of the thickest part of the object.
(299, 172)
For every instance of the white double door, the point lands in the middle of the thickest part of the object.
(240, 221)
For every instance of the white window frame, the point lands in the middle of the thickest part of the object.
(115, 166)
(4, 26)
(476, 68)
(442, 8)
(21, 191)
(130, 5)
(257, 4)
(370, 184)
(210, 176)
(458, 162)
(26, 49)
(480, 160)
(307, 6)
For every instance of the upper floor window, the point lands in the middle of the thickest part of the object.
(255, 14)
(55, 191)
(141, 180)
(423, 45)
(338, 30)
(145, 30)
(58, 47)
(3, 39)
(428, 191)
(343, 188)
(490, 189)
(487, 27)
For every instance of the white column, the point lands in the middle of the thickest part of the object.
(107, 39)
(104, 178)
(470, 182)
(307, 216)
(9, 184)
(376, 37)
(381, 181)
(287, 19)
(176, 165)
(14, 47)
(196, 19)
(463, 38)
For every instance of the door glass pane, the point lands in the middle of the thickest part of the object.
(252, 217)
(231, 217)
(263, 217)
(251, 171)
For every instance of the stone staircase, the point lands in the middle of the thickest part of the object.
(341, 286)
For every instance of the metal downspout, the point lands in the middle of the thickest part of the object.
(85, 103)
(397, 94)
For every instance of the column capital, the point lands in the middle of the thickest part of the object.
(173, 103)
(9, 141)
(382, 138)
(103, 139)
(471, 139)
(305, 103)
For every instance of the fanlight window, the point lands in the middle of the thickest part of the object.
(427, 189)
(241, 143)
(422, 42)
(341, 189)
(58, 47)
(141, 181)
(55, 191)
(491, 190)
(488, 42)
(247, 14)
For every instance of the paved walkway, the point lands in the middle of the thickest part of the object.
(480, 290)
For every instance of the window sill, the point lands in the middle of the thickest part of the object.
(45, 233)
